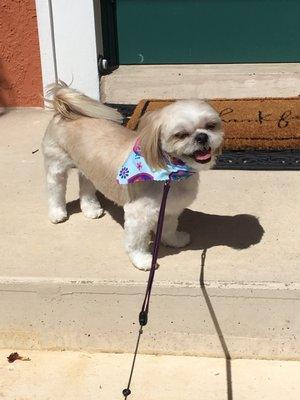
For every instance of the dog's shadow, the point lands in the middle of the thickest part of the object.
(207, 230)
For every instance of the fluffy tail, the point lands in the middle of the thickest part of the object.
(71, 104)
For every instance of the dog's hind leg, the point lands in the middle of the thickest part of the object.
(89, 203)
(57, 163)
(56, 179)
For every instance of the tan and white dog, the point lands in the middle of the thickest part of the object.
(87, 135)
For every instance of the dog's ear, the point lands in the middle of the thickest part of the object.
(149, 130)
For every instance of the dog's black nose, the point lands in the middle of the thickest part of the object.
(202, 138)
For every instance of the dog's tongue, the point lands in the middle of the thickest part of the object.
(203, 155)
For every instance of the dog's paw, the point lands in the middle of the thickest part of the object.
(141, 260)
(57, 215)
(177, 239)
(92, 211)
(91, 208)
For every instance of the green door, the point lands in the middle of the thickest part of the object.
(202, 31)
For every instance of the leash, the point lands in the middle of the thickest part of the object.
(143, 315)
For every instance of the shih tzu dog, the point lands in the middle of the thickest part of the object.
(88, 135)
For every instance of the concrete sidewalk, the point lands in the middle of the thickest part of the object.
(72, 286)
(86, 376)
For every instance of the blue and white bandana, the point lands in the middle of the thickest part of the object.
(135, 169)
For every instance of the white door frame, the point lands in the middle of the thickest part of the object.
(70, 41)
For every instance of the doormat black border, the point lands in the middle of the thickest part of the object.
(259, 160)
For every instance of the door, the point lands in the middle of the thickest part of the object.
(201, 31)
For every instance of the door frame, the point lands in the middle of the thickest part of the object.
(70, 38)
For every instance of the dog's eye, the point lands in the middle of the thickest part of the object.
(211, 125)
(182, 135)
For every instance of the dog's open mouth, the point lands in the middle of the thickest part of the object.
(202, 156)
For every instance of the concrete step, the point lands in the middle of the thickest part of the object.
(71, 286)
(131, 83)
(87, 376)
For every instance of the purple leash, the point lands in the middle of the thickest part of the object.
(143, 316)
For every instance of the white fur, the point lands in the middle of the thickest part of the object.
(97, 147)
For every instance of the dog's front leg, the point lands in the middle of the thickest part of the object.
(140, 220)
(171, 236)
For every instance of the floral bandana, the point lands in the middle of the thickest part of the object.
(135, 169)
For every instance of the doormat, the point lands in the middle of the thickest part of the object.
(249, 124)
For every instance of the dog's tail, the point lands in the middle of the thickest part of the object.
(71, 104)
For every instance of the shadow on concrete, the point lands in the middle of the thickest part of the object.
(73, 207)
(207, 230)
(217, 328)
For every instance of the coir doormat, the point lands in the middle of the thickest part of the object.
(249, 124)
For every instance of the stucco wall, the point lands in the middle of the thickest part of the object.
(20, 67)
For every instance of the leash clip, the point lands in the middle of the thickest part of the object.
(143, 318)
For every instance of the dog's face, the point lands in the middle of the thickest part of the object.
(190, 130)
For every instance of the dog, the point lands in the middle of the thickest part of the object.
(88, 135)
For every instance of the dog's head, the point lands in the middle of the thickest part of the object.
(190, 130)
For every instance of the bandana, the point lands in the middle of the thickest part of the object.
(135, 169)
